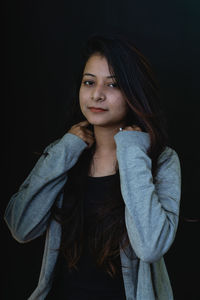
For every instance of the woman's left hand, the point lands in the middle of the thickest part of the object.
(132, 127)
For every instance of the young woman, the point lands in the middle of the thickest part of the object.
(107, 193)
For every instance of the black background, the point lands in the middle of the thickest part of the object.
(42, 48)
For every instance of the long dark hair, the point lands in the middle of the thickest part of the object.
(136, 81)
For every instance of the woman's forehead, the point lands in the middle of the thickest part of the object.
(98, 64)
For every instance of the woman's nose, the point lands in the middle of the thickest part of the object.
(98, 94)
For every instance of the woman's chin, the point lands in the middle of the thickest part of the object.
(96, 122)
(103, 123)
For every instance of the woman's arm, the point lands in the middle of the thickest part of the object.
(151, 210)
(28, 210)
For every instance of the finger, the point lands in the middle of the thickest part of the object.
(90, 132)
(83, 123)
(133, 128)
(128, 128)
(84, 132)
(89, 141)
(136, 128)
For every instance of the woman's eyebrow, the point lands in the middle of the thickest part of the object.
(89, 74)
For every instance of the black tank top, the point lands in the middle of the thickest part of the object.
(89, 282)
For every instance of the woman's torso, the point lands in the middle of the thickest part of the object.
(90, 281)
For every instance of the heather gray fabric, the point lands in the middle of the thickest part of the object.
(151, 210)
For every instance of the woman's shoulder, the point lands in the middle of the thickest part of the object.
(68, 139)
(169, 162)
(167, 154)
(52, 144)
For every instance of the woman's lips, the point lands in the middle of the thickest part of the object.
(96, 109)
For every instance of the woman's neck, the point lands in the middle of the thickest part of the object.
(104, 138)
(104, 160)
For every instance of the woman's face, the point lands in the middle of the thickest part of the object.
(99, 90)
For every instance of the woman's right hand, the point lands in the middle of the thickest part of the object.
(81, 131)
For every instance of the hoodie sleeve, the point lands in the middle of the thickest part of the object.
(151, 210)
(28, 210)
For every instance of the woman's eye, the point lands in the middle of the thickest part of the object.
(87, 82)
(114, 84)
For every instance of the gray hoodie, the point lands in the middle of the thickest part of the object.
(151, 210)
